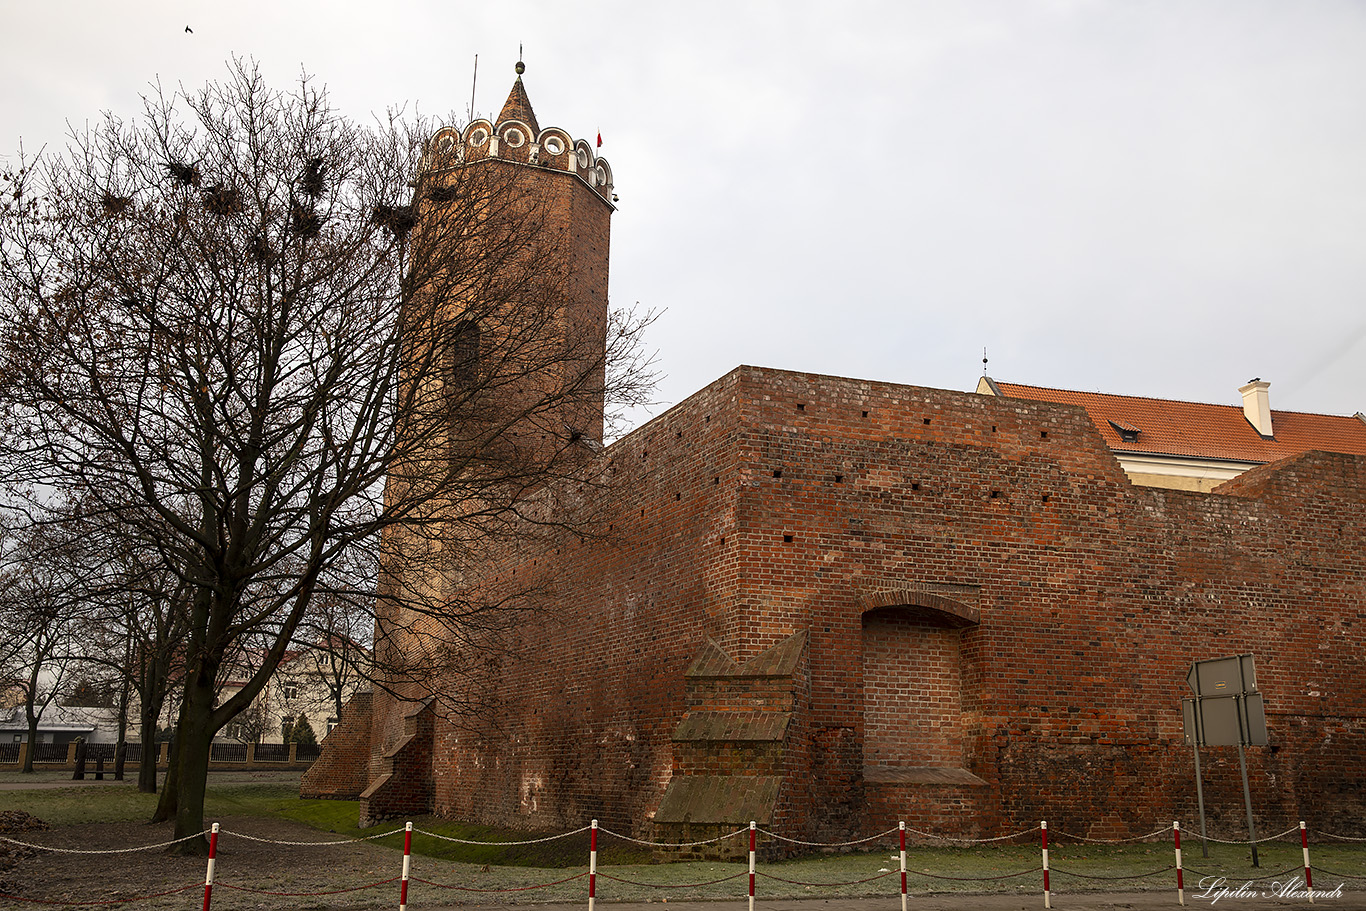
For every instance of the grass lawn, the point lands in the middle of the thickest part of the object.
(628, 873)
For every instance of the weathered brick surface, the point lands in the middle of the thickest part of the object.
(984, 560)
(403, 786)
(342, 769)
(911, 719)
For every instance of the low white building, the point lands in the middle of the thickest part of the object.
(63, 724)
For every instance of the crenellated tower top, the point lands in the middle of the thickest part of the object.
(517, 137)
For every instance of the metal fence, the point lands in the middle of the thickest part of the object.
(49, 752)
(228, 752)
(95, 753)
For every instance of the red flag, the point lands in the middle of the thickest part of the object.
(599, 138)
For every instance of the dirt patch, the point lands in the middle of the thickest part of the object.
(15, 824)
(242, 864)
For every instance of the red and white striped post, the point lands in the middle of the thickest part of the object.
(1180, 885)
(1047, 898)
(407, 866)
(751, 864)
(592, 864)
(903, 866)
(1308, 876)
(208, 874)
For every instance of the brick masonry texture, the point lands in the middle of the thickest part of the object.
(342, 768)
(995, 629)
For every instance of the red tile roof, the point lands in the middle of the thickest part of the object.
(1195, 430)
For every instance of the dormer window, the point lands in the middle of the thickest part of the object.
(1127, 432)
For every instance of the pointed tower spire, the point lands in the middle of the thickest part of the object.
(518, 106)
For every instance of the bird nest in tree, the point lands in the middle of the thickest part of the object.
(398, 219)
(221, 200)
(260, 250)
(312, 180)
(187, 175)
(115, 205)
(443, 193)
(304, 222)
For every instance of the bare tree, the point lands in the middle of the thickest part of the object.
(37, 609)
(332, 652)
(139, 613)
(224, 323)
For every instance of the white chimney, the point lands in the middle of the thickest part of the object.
(1257, 406)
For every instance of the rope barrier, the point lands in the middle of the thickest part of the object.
(1258, 879)
(972, 841)
(309, 844)
(827, 844)
(976, 879)
(671, 844)
(1111, 841)
(163, 844)
(1323, 834)
(1322, 872)
(1096, 876)
(852, 882)
(531, 841)
(632, 882)
(557, 882)
(1292, 830)
(111, 901)
(383, 882)
(752, 870)
(1255, 841)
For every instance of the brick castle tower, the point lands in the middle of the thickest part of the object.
(549, 198)
(509, 268)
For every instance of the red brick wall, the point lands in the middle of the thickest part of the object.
(580, 721)
(775, 502)
(342, 769)
(912, 692)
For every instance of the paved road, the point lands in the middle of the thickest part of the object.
(59, 783)
(1138, 901)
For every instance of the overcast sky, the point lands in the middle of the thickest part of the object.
(1147, 198)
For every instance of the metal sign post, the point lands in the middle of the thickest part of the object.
(1247, 799)
(1227, 711)
(1200, 798)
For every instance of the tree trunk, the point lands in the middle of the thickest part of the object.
(147, 736)
(32, 744)
(194, 734)
(121, 746)
(166, 805)
(152, 690)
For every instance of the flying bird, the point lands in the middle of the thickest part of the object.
(189, 30)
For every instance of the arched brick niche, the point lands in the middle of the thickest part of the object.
(913, 681)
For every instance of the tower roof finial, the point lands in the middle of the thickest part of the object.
(518, 106)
